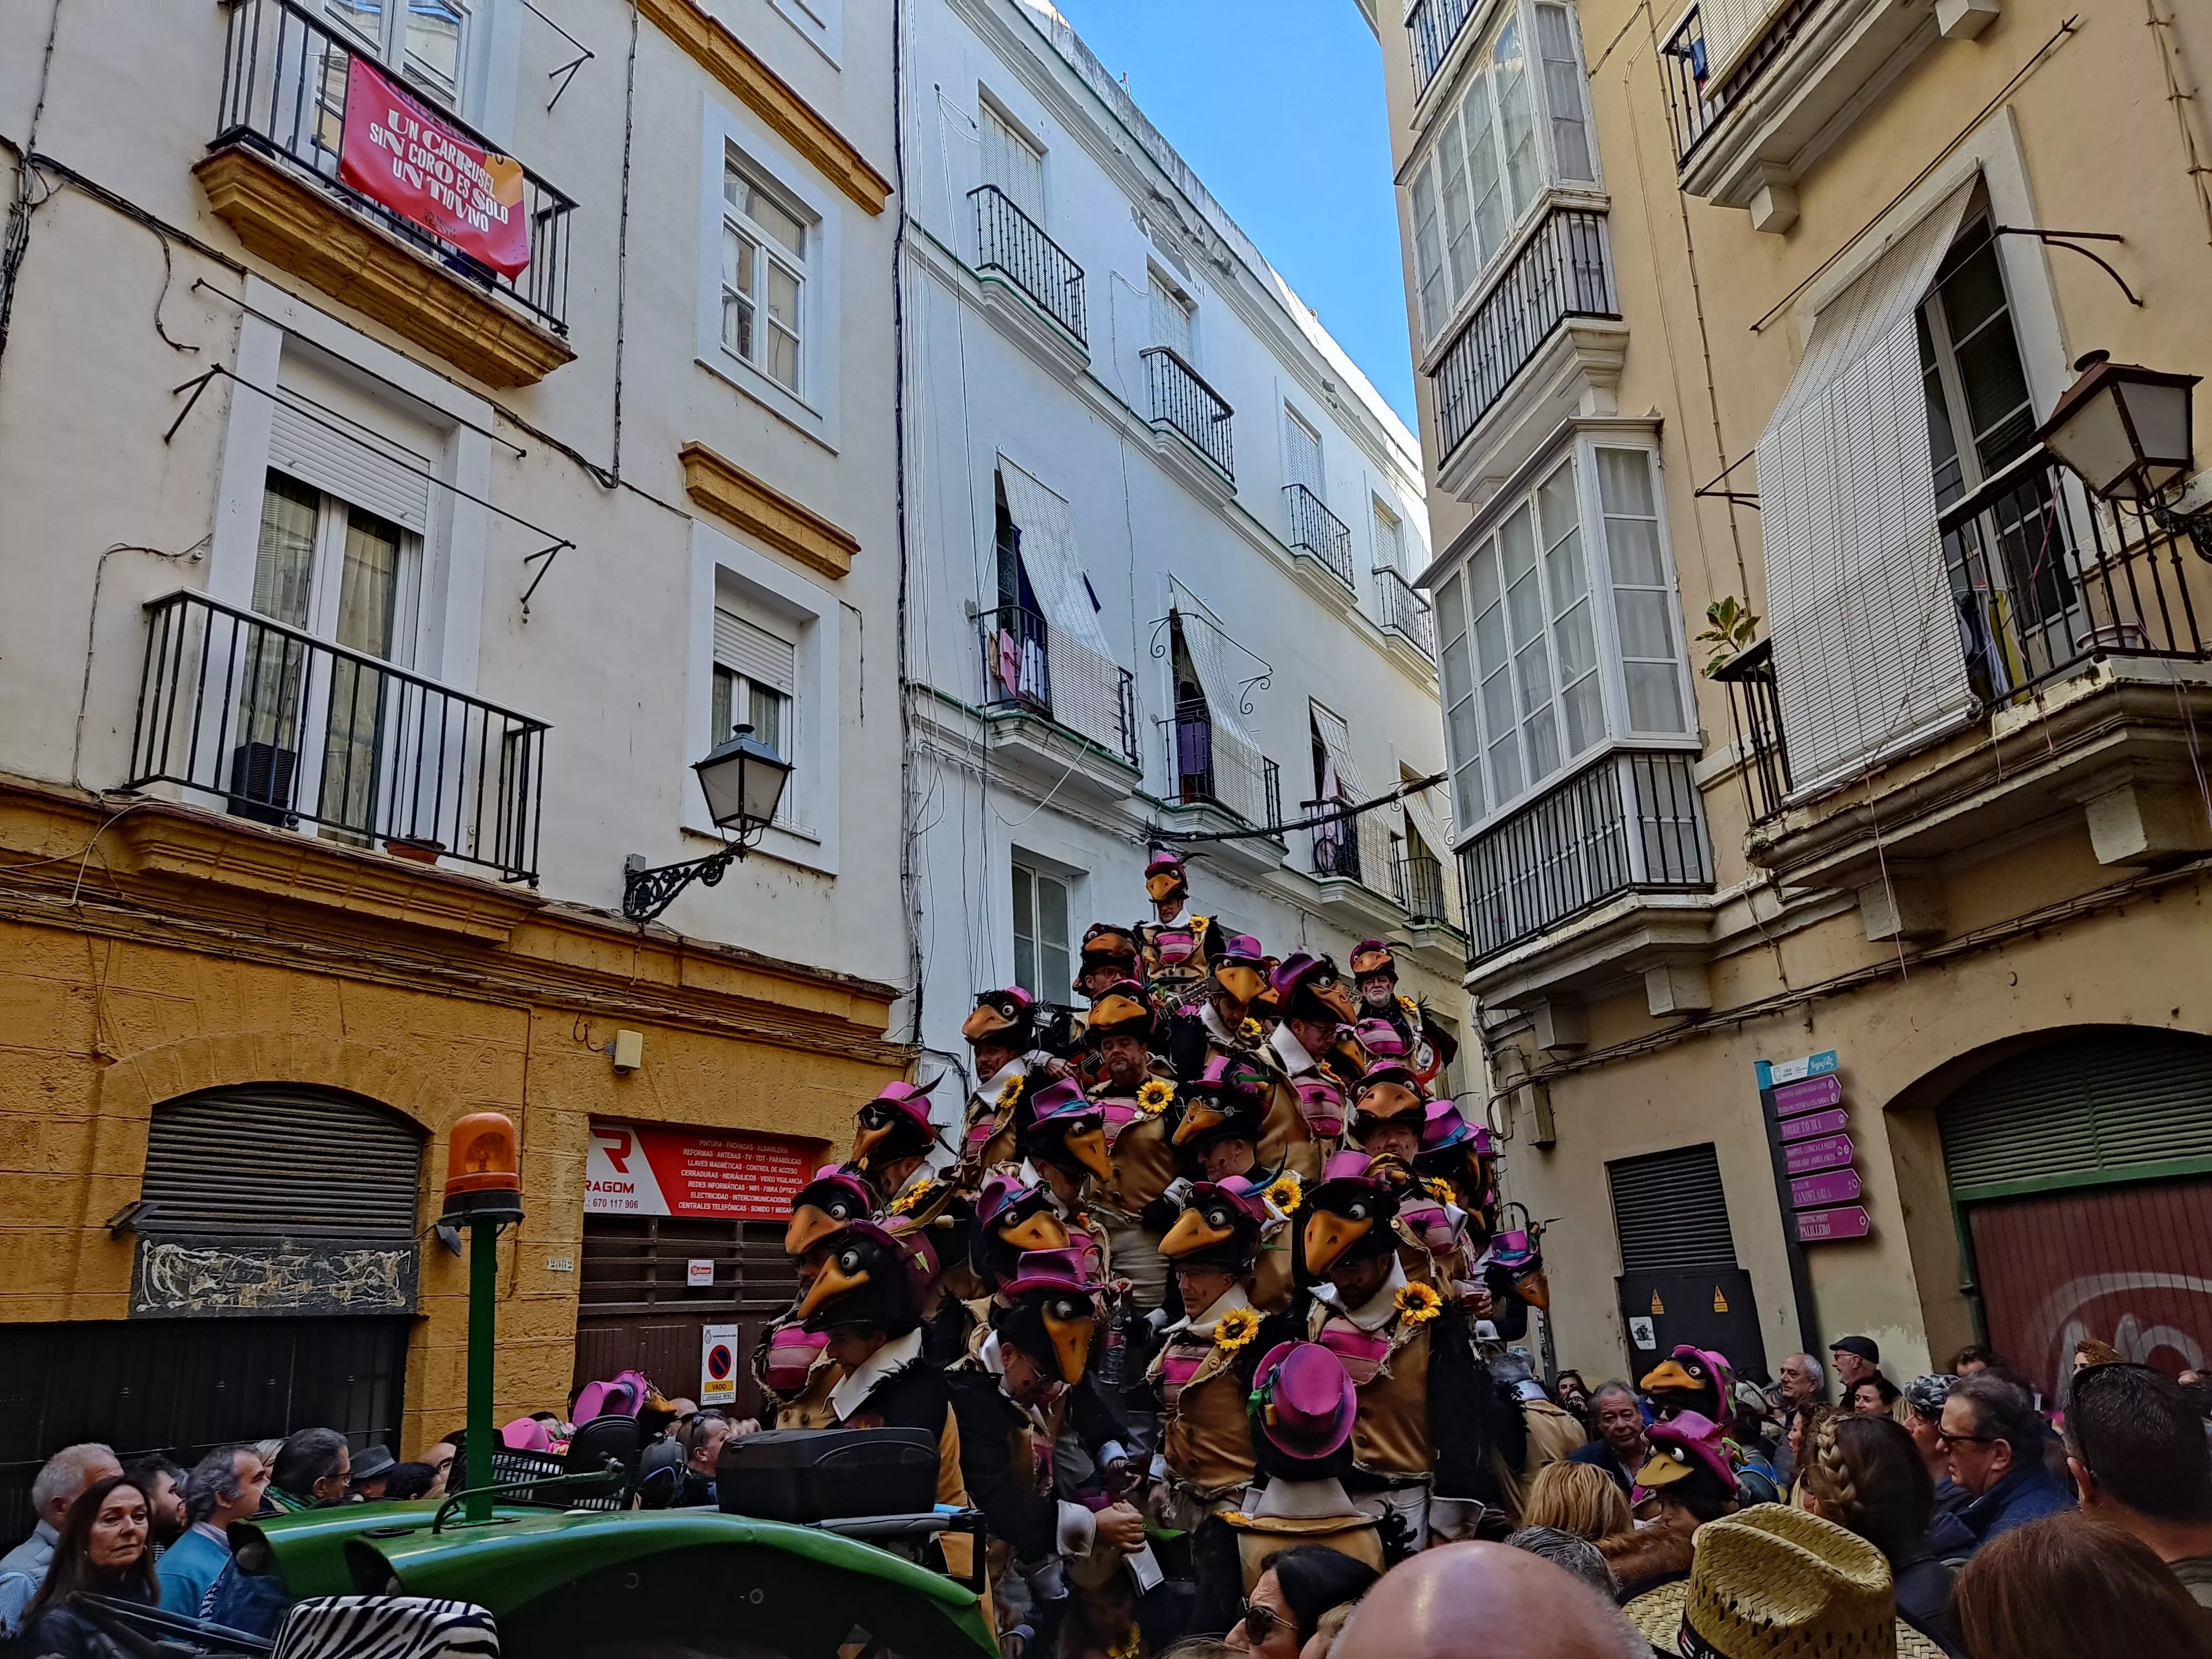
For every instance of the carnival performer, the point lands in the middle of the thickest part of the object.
(1134, 1095)
(1176, 950)
(1389, 1112)
(1314, 1059)
(1222, 1129)
(1427, 1046)
(1001, 1032)
(893, 1136)
(789, 1361)
(1215, 1019)
(1061, 1134)
(1303, 1408)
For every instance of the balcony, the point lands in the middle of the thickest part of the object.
(1406, 618)
(1421, 893)
(289, 731)
(1182, 404)
(1432, 27)
(272, 174)
(1755, 714)
(1056, 709)
(1009, 242)
(1562, 276)
(1630, 823)
(1318, 536)
(1356, 869)
(1221, 782)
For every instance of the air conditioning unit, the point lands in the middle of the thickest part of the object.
(261, 779)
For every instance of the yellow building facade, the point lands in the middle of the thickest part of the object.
(1765, 304)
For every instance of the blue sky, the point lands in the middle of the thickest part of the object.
(1278, 104)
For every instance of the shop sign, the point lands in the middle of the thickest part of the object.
(652, 1169)
(179, 1275)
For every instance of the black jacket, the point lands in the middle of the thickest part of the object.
(63, 1630)
(994, 1435)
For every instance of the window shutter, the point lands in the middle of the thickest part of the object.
(766, 658)
(369, 472)
(273, 1161)
(1050, 557)
(1303, 445)
(1011, 162)
(1237, 773)
(1670, 1211)
(1866, 657)
(1733, 27)
(2102, 1102)
(1171, 320)
(1336, 743)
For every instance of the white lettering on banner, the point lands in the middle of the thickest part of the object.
(659, 1170)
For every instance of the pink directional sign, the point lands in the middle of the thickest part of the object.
(1812, 1094)
(1837, 1187)
(1815, 1123)
(1821, 1226)
(1828, 1152)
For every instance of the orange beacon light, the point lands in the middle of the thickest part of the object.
(483, 1181)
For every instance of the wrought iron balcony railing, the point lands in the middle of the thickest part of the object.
(1316, 530)
(1357, 848)
(1565, 270)
(1421, 892)
(1404, 613)
(1182, 400)
(1628, 823)
(1756, 714)
(284, 79)
(1223, 774)
(1009, 241)
(1695, 101)
(288, 729)
(1028, 666)
(1431, 28)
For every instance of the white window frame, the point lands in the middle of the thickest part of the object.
(991, 108)
(1387, 527)
(1295, 426)
(727, 137)
(1024, 870)
(388, 42)
(727, 572)
(1445, 142)
(1580, 448)
(1163, 286)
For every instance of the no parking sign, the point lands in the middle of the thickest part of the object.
(718, 1365)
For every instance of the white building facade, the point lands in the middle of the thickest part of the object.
(1163, 533)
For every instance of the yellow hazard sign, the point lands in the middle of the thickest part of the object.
(1657, 1306)
(1720, 1301)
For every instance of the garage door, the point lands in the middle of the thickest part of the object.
(1680, 1282)
(2082, 1169)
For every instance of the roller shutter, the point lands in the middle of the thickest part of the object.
(374, 472)
(1670, 1211)
(295, 1162)
(761, 654)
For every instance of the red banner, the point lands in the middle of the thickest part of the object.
(640, 1169)
(397, 152)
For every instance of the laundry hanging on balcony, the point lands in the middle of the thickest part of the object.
(1070, 669)
(1867, 661)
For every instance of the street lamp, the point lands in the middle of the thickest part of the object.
(743, 781)
(2124, 428)
(483, 1191)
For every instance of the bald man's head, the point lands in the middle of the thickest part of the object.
(1486, 1601)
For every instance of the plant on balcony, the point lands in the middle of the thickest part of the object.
(1729, 628)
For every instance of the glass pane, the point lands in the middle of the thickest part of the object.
(1458, 673)
(1491, 212)
(1585, 710)
(433, 42)
(1555, 499)
(1462, 734)
(1523, 172)
(1524, 609)
(1459, 231)
(1490, 638)
(782, 296)
(1973, 293)
(782, 357)
(1532, 667)
(1451, 616)
(1466, 792)
(765, 709)
(1577, 637)
(1543, 736)
(1505, 766)
(368, 584)
(1052, 914)
(1624, 482)
(365, 15)
(1654, 697)
(718, 718)
(284, 560)
(1500, 717)
(1645, 630)
(1996, 384)
(1562, 93)
(1428, 250)
(1025, 931)
(1564, 571)
(764, 210)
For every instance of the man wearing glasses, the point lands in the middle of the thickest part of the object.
(2138, 1452)
(1995, 1440)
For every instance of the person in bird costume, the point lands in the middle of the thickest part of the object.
(1217, 1018)
(866, 1301)
(1464, 1157)
(1690, 1380)
(1135, 1097)
(1390, 1111)
(1175, 948)
(1002, 1031)
(789, 1361)
(1108, 956)
(893, 1138)
(1314, 1059)
(1014, 1215)
(1061, 1134)
(1428, 1048)
(1302, 1406)
(1223, 1130)
(1430, 1414)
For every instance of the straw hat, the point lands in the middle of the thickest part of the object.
(1775, 1582)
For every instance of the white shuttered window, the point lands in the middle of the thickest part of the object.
(756, 683)
(1013, 163)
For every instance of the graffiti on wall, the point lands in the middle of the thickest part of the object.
(179, 1275)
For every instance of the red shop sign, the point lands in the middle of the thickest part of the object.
(646, 1169)
(397, 152)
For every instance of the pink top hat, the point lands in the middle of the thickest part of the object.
(1303, 1400)
(1049, 1270)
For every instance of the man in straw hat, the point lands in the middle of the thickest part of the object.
(1776, 1583)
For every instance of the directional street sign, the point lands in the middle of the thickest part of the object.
(1814, 1123)
(1812, 1094)
(1821, 1226)
(1837, 1187)
(1828, 1152)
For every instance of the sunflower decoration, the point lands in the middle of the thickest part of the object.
(1009, 1092)
(1286, 1191)
(1129, 1647)
(1154, 1097)
(1251, 1030)
(1439, 1188)
(1418, 1303)
(1236, 1329)
(911, 1198)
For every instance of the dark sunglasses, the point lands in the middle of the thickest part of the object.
(1260, 1622)
(1950, 1439)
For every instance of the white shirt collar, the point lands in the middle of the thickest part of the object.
(1376, 1311)
(1209, 1017)
(1292, 1052)
(989, 1087)
(854, 1388)
(1203, 1324)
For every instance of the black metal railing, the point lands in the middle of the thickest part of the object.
(1421, 892)
(1336, 845)
(1404, 613)
(1431, 27)
(1756, 712)
(1017, 660)
(1212, 768)
(1316, 530)
(1565, 270)
(284, 77)
(1009, 241)
(1029, 667)
(2044, 580)
(1695, 102)
(1630, 822)
(290, 729)
(1182, 400)
(1271, 781)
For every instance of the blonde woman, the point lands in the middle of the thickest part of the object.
(1577, 1498)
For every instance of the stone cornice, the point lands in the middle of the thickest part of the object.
(765, 512)
(299, 229)
(769, 96)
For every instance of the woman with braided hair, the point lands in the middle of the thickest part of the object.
(1864, 1473)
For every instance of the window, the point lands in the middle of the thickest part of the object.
(1013, 163)
(1389, 540)
(1488, 168)
(1554, 639)
(1302, 453)
(1171, 314)
(1040, 964)
(424, 38)
(1970, 364)
(756, 676)
(764, 253)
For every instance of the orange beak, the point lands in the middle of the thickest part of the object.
(1329, 1235)
(1193, 1231)
(1161, 887)
(1666, 1374)
(985, 1021)
(1041, 1231)
(1088, 1147)
(810, 1225)
(833, 1283)
(866, 1140)
(1536, 1291)
(1200, 1116)
(1070, 1341)
(1240, 982)
(1339, 1000)
(1389, 1100)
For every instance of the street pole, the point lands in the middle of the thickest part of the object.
(483, 1317)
